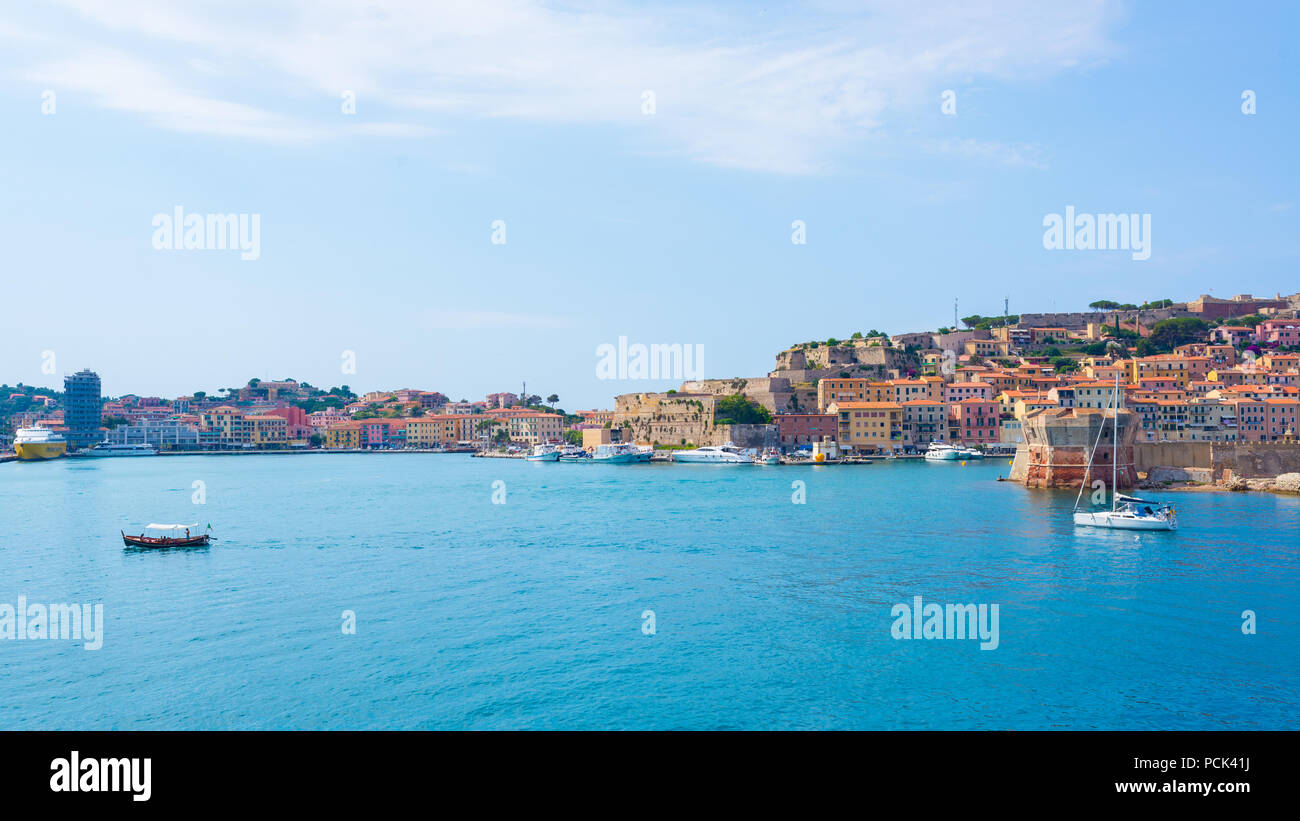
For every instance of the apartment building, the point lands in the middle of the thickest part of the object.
(869, 427)
(924, 421)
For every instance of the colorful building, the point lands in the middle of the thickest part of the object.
(869, 427)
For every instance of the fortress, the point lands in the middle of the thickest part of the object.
(1058, 441)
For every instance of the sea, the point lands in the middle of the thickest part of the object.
(440, 591)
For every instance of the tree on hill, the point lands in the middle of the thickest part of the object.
(1168, 334)
(739, 409)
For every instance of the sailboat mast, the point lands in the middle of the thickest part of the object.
(1114, 446)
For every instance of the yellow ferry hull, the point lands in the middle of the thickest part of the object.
(30, 451)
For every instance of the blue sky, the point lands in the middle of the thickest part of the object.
(668, 227)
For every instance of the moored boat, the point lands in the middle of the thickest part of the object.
(176, 539)
(37, 443)
(713, 454)
(544, 453)
(617, 453)
(941, 452)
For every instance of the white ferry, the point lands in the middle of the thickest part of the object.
(105, 449)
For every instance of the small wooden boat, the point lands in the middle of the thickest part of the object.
(179, 536)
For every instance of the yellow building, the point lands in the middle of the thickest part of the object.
(986, 347)
(343, 435)
(840, 390)
(1025, 405)
(268, 431)
(226, 426)
(433, 431)
(1166, 366)
(535, 428)
(869, 427)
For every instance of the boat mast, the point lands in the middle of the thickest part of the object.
(1114, 447)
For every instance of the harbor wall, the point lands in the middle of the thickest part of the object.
(1255, 460)
(1151, 455)
(1161, 461)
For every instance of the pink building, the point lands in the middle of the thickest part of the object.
(320, 420)
(1283, 332)
(1236, 335)
(1279, 418)
(1252, 419)
(957, 391)
(976, 421)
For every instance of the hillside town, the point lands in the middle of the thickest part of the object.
(1209, 370)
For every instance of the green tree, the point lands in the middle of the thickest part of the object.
(739, 409)
(1170, 333)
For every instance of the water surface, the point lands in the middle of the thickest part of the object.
(529, 614)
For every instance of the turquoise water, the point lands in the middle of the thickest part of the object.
(529, 614)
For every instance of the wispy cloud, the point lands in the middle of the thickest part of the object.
(1027, 155)
(730, 89)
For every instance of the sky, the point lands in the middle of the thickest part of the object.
(644, 163)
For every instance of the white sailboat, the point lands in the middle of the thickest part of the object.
(1126, 512)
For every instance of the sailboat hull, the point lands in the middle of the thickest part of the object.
(1123, 521)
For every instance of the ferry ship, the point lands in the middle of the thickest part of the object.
(105, 449)
(31, 444)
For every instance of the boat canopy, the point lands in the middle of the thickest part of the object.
(170, 527)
